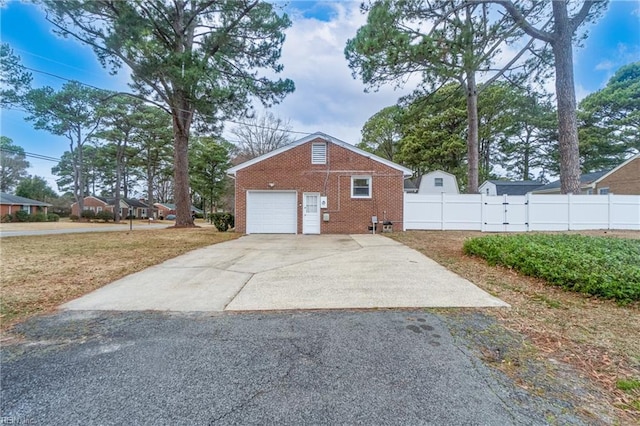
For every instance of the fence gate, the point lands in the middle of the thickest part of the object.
(506, 213)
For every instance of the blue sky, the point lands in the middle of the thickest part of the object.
(326, 99)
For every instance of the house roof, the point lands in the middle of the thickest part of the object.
(172, 206)
(514, 187)
(319, 135)
(14, 200)
(585, 179)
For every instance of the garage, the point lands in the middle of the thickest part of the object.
(272, 212)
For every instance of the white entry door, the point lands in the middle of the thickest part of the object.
(311, 213)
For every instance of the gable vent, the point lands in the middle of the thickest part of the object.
(319, 153)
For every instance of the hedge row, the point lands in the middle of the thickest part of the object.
(23, 216)
(598, 266)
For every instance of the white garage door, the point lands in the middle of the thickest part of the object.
(272, 212)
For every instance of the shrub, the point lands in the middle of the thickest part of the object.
(52, 217)
(73, 217)
(598, 266)
(21, 216)
(6, 218)
(105, 215)
(88, 214)
(38, 217)
(222, 221)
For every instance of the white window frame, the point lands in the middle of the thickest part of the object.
(603, 191)
(436, 180)
(314, 160)
(369, 180)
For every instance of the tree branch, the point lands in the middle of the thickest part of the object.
(521, 20)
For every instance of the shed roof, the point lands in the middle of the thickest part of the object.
(521, 187)
(15, 200)
(319, 135)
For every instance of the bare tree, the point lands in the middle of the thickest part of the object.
(261, 134)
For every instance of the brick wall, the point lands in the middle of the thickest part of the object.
(90, 203)
(292, 170)
(625, 180)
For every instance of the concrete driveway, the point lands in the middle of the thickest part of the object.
(278, 272)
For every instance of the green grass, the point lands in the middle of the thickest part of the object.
(628, 385)
(598, 266)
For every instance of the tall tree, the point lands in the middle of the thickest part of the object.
(15, 80)
(554, 24)
(36, 188)
(72, 113)
(433, 133)
(13, 164)
(527, 144)
(381, 133)
(209, 164)
(153, 147)
(261, 134)
(198, 59)
(610, 121)
(444, 41)
(120, 118)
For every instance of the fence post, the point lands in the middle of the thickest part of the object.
(527, 203)
(442, 211)
(569, 211)
(609, 209)
(482, 212)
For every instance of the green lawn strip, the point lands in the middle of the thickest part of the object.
(598, 266)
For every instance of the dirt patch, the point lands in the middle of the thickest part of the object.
(597, 338)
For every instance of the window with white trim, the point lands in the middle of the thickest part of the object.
(319, 153)
(438, 182)
(360, 186)
(603, 191)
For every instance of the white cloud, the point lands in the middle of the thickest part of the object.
(605, 65)
(327, 98)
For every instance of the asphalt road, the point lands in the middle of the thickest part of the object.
(80, 230)
(331, 367)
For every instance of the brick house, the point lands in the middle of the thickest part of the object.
(127, 206)
(9, 204)
(165, 209)
(317, 185)
(622, 180)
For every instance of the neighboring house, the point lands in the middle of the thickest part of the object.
(9, 204)
(165, 209)
(437, 182)
(504, 187)
(317, 185)
(93, 203)
(624, 179)
(127, 206)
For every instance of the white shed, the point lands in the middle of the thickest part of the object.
(437, 182)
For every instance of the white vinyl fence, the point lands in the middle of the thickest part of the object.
(531, 212)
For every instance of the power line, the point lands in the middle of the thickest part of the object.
(178, 109)
(30, 154)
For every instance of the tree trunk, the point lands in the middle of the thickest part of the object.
(150, 201)
(116, 209)
(472, 134)
(566, 99)
(182, 196)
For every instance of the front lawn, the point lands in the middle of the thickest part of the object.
(598, 266)
(38, 273)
